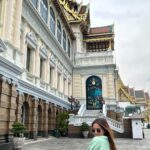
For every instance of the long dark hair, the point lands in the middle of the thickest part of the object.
(107, 131)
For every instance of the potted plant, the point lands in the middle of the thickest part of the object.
(85, 129)
(18, 130)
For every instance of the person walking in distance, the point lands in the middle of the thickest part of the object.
(103, 136)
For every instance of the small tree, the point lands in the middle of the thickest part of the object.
(18, 129)
(62, 122)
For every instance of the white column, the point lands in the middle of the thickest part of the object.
(37, 60)
(47, 71)
(17, 23)
(9, 20)
(3, 4)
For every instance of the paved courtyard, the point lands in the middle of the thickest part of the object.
(82, 144)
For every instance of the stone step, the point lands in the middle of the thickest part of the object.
(91, 112)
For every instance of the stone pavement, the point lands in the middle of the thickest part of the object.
(82, 144)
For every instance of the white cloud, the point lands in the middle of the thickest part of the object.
(132, 36)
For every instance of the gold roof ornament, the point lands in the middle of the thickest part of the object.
(72, 9)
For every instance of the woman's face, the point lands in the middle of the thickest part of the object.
(97, 130)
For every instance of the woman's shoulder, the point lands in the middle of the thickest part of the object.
(100, 138)
(99, 143)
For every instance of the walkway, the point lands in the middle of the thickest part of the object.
(82, 144)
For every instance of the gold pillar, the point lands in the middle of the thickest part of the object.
(45, 119)
(19, 105)
(34, 123)
(53, 117)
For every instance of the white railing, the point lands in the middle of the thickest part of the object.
(96, 54)
(86, 59)
(115, 125)
(77, 120)
(82, 109)
(89, 116)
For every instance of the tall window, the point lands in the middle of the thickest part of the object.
(25, 113)
(28, 59)
(64, 40)
(52, 21)
(34, 2)
(58, 81)
(51, 76)
(41, 67)
(64, 85)
(59, 31)
(69, 88)
(68, 48)
(44, 9)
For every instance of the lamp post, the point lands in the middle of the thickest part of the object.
(77, 104)
(101, 101)
(71, 99)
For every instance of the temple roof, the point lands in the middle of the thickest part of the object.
(76, 11)
(101, 30)
(64, 18)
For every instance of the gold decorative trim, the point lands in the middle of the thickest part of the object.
(97, 39)
(65, 4)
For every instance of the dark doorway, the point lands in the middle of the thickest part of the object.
(93, 93)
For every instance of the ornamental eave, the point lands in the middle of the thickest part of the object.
(64, 18)
(9, 69)
(97, 39)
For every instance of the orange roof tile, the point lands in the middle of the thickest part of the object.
(100, 30)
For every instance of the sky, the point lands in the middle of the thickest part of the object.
(131, 19)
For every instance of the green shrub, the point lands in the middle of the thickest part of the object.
(84, 126)
(18, 129)
(62, 122)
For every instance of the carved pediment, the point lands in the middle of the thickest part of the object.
(31, 39)
(43, 52)
(53, 60)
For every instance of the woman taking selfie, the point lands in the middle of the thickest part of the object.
(103, 137)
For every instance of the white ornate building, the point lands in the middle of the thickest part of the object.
(48, 51)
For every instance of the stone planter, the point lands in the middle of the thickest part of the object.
(18, 142)
(85, 134)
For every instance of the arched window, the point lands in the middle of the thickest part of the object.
(44, 9)
(39, 120)
(94, 93)
(25, 113)
(35, 3)
(59, 31)
(68, 48)
(64, 40)
(52, 21)
(49, 119)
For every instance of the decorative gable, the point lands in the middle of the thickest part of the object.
(31, 40)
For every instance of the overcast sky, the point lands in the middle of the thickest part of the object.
(131, 20)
